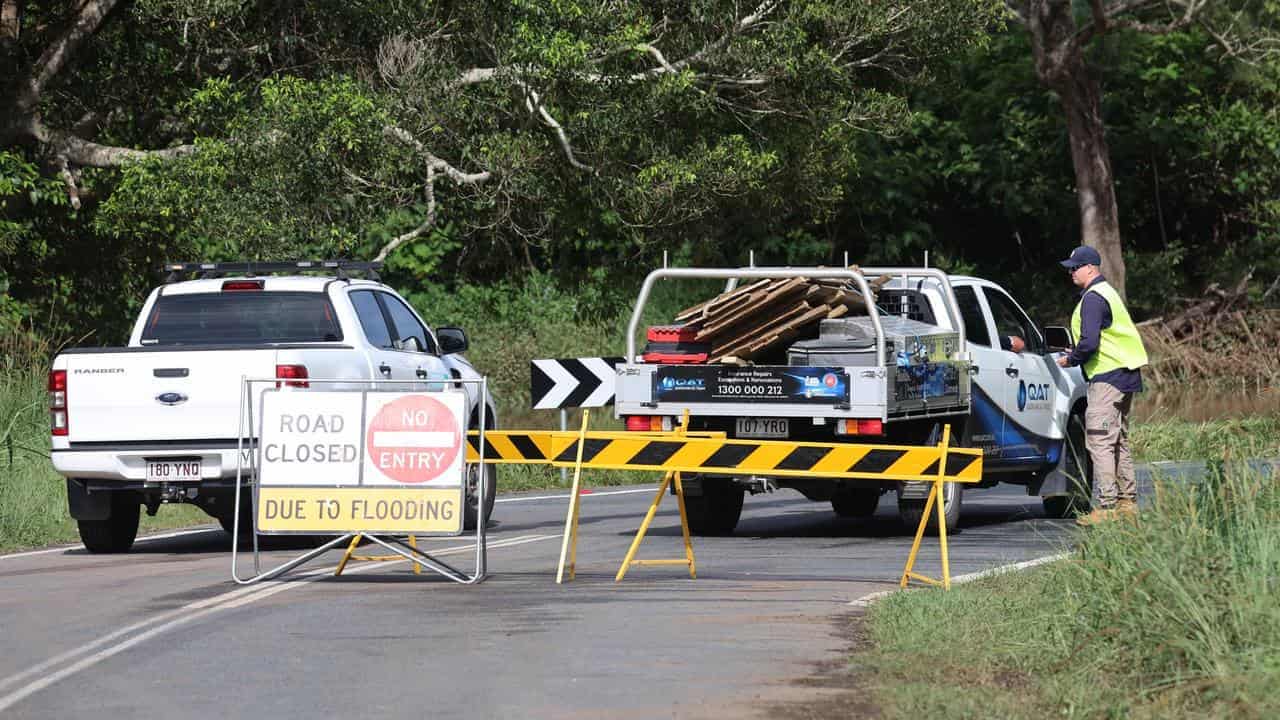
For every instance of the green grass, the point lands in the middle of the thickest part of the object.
(1240, 438)
(1172, 616)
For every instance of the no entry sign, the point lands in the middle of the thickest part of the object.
(415, 440)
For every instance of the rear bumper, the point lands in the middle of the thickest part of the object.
(217, 465)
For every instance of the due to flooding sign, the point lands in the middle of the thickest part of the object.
(346, 462)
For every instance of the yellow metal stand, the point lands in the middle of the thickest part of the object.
(349, 555)
(935, 495)
(569, 544)
(688, 559)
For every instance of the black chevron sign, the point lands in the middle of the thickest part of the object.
(572, 382)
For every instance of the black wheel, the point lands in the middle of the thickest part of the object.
(1078, 467)
(246, 523)
(473, 494)
(117, 532)
(717, 509)
(226, 516)
(912, 510)
(856, 502)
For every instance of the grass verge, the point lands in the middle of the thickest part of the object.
(1169, 616)
(1238, 438)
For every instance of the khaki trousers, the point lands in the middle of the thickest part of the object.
(1106, 427)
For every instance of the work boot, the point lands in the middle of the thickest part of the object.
(1098, 515)
(1127, 508)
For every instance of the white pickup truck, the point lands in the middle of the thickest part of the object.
(933, 350)
(157, 421)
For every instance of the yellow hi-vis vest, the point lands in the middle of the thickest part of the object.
(1119, 346)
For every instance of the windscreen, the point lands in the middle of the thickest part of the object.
(241, 317)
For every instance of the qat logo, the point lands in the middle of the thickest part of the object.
(670, 383)
(1035, 392)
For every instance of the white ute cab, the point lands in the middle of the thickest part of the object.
(156, 421)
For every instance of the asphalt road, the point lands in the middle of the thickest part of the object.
(163, 632)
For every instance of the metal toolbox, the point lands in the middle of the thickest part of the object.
(922, 372)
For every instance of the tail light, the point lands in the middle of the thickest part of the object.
(861, 426)
(292, 374)
(58, 422)
(648, 423)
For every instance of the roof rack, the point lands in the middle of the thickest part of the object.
(339, 268)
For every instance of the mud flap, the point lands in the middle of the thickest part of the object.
(85, 505)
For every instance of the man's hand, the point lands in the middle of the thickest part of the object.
(1017, 344)
(1063, 361)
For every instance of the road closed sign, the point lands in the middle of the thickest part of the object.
(361, 462)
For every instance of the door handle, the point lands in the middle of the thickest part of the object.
(385, 369)
(422, 373)
(1011, 372)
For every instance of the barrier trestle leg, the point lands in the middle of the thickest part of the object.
(569, 544)
(688, 558)
(936, 497)
(355, 541)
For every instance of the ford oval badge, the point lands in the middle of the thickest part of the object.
(171, 398)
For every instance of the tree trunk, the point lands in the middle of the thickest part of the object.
(1061, 66)
(1095, 187)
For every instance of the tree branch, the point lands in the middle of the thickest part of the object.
(427, 224)
(84, 153)
(69, 179)
(55, 57)
(433, 162)
(10, 22)
(534, 104)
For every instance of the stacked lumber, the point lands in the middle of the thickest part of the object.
(755, 318)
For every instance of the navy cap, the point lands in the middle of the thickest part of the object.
(1082, 256)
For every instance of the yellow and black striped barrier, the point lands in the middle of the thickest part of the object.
(712, 453)
(682, 451)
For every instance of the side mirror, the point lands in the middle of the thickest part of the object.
(452, 340)
(409, 344)
(1058, 338)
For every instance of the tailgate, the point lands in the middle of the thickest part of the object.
(159, 396)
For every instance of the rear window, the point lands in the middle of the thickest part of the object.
(241, 317)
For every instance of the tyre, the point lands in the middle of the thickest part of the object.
(116, 533)
(856, 502)
(1078, 467)
(912, 510)
(473, 502)
(227, 517)
(717, 509)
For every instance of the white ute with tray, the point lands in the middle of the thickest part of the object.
(927, 352)
(156, 421)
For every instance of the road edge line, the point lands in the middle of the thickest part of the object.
(871, 598)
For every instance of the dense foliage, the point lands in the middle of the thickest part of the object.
(478, 142)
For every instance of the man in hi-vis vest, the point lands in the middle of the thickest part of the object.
(1110, 352)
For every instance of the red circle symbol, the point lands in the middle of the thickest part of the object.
(829, 380)
(413, 439)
